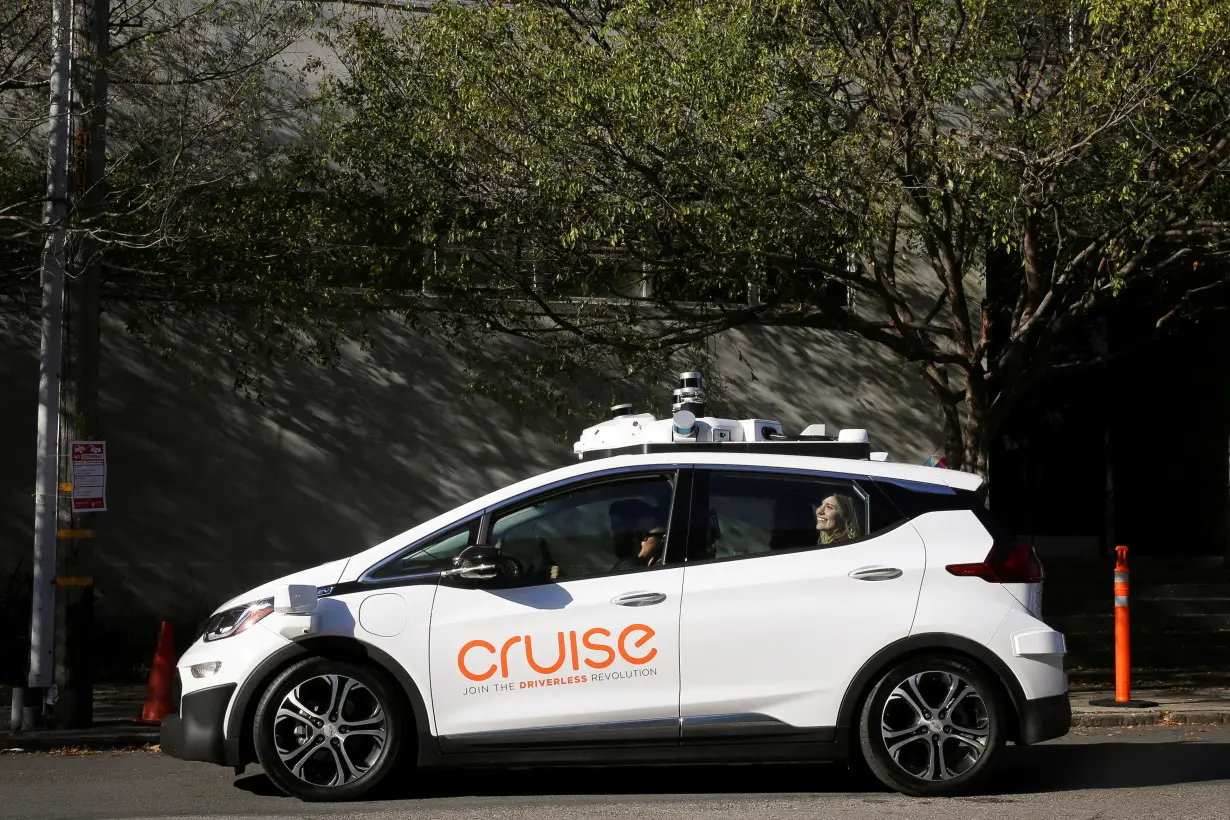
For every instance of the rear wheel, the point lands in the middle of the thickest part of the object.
(328, 730)
(932, 726)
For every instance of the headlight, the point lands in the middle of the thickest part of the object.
(232, 621)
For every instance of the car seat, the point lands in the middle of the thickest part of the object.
(794, 525)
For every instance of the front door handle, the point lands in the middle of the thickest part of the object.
(639, 598)
(876, 574)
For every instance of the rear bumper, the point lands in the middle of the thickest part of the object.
(197, 732)
(1045, 718)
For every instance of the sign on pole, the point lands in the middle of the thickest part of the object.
(89, 463)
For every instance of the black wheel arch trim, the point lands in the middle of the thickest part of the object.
(239, 746)
(194, 731)
(847, 716)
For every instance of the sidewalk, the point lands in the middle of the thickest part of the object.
(115, 707)
(1178, 705)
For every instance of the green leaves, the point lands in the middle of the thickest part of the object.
(726, 134)
(619, 182)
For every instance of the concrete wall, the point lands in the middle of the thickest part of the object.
(211, 492)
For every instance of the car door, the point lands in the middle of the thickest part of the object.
(581, 646)
(775, 624)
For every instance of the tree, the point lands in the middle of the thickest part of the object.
(210, 206)
(619, 181)
(200, 95)
(24, 42)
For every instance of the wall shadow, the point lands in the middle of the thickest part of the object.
(806, 377)
(212, 492)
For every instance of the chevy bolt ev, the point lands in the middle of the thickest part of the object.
(696, 589)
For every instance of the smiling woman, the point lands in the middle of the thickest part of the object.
(837, 519)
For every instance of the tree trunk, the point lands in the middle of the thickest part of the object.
(976, 443)
(965, 429)
(950, 414)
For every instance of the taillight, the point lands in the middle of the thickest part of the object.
(1006, 563)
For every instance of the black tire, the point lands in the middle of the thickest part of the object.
(858, 774)
(948, 744)
(358, 743)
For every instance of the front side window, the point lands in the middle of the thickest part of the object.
(750, 513)
(433, 556)
(598, 529)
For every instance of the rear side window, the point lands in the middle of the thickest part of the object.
(747, 513)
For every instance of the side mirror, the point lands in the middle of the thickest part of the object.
(479, 562)
(295, 599)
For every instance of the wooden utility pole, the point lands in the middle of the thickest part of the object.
(79, 404)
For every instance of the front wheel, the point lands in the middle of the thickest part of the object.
(328, 730)
(932, 726)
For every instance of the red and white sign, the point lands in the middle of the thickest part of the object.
(89, 465)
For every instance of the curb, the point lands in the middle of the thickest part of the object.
(43, 743)
(1150, 717)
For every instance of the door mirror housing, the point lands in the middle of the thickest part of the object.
(295, 599)
(480, 562)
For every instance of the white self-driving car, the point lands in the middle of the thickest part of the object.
(695, 589)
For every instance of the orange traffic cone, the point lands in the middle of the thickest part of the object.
(158, 694)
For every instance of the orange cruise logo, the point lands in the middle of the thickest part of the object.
(595, 648)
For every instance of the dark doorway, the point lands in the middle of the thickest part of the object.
(1136, 452)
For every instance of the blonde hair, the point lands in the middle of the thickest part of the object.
(847, 521)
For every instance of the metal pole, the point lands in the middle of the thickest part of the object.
(42, 617)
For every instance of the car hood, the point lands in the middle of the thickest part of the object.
(322, 576)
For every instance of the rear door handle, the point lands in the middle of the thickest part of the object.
(876, 574)
(639, 598)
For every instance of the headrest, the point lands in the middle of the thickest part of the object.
(630, 509)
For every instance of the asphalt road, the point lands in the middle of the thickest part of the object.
(1163, 772)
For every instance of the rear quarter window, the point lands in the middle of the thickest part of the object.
(913, 500)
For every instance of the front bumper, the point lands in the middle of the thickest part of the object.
(1045, 718)
(197, 732)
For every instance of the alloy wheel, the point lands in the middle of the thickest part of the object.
(935, 725)
(330, 730)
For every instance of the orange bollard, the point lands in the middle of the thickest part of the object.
(1123, 650)
(161, 678)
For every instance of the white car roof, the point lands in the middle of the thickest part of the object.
(877, 469)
